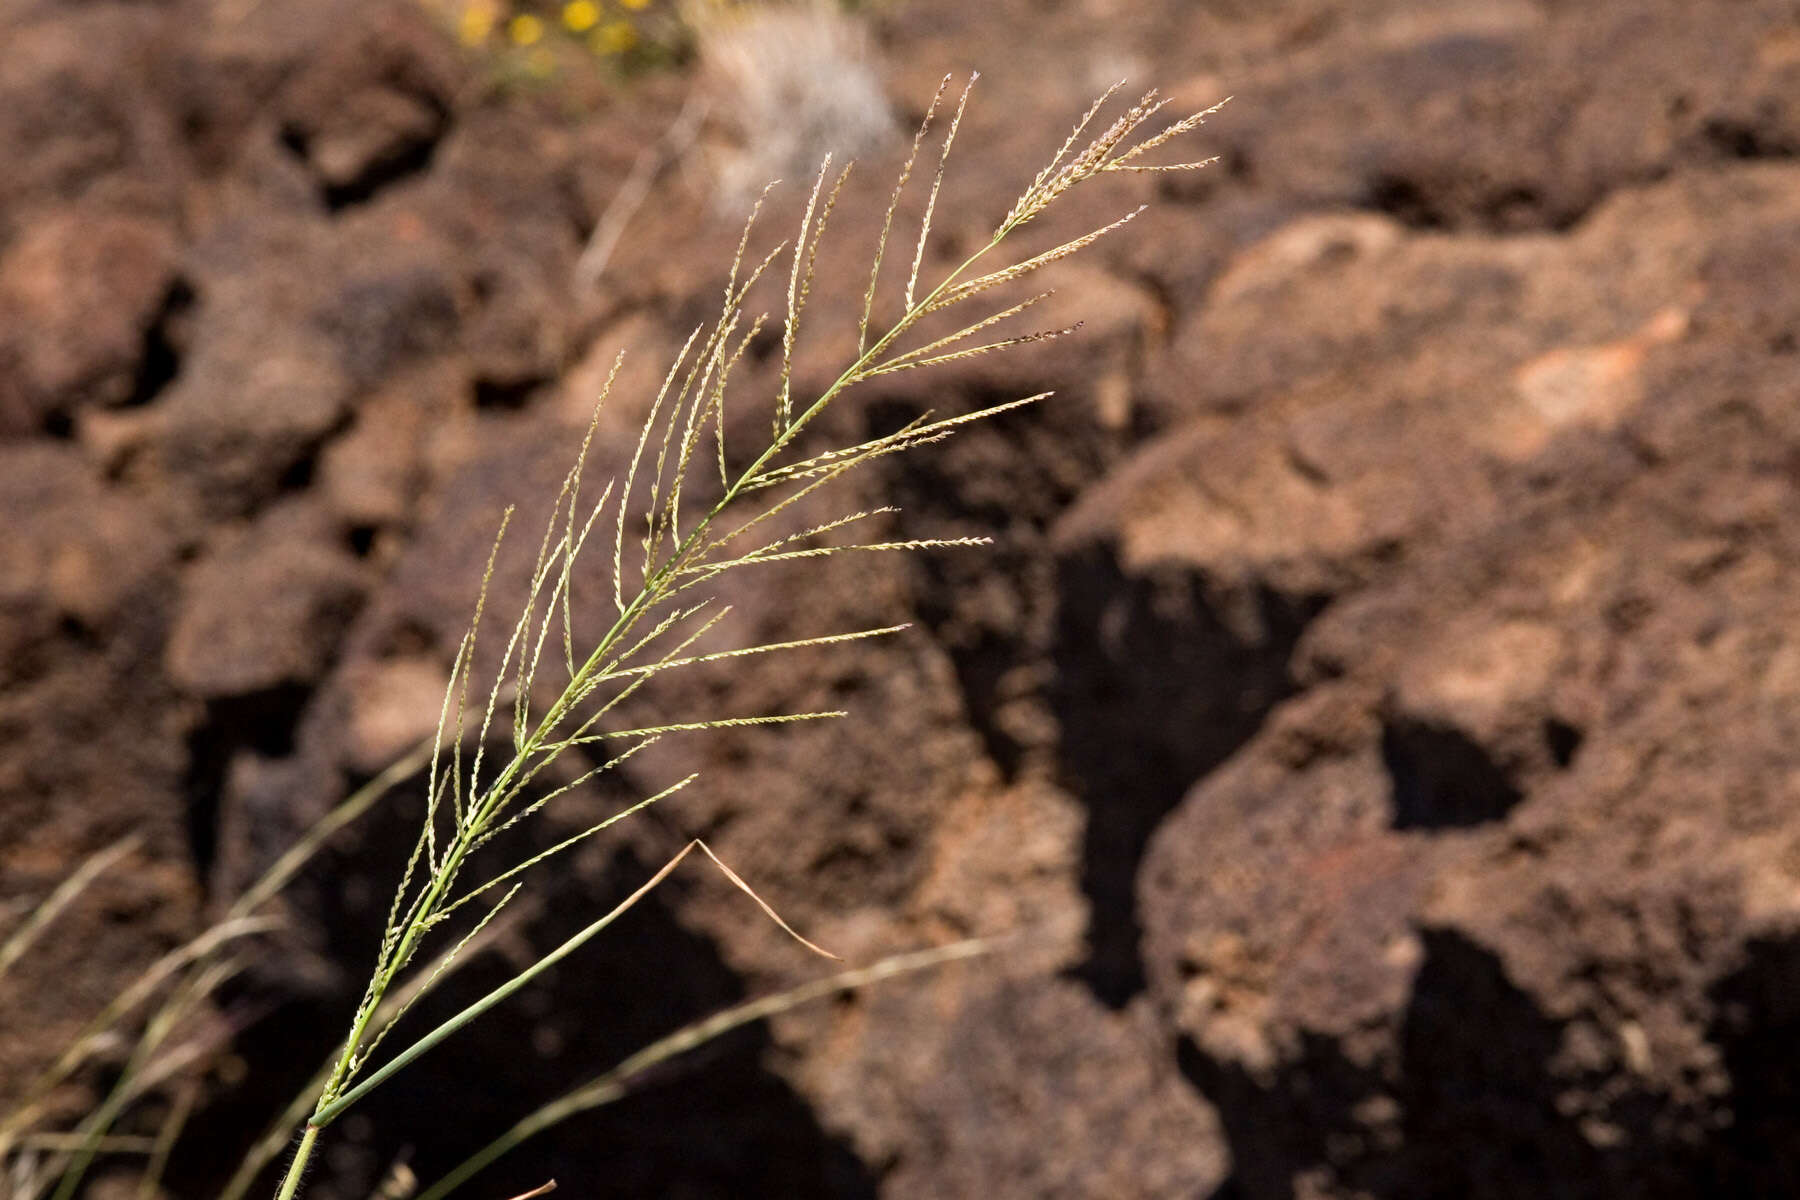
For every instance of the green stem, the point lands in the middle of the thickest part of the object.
(330, 1112)
(290, 1186)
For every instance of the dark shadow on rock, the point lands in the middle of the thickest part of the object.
(508, 395)
(713, 1123)
(1471, 1110)
(1745, 138)
(1478, 1098)
(1008, 479)
(1442, 779)
(402, 159)
(1563, 740)
(1154, 688)
(1757, 1029)
(1279, 1126)
(1406, 202)
(262, 722)
(165, 341)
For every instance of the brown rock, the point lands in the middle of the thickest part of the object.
(396, 704)
(92, 746)
(370, 106)
(263, 609)
(73, 119)
(1511, 906)
(980, 1095)
(79, 291)
(73, 550)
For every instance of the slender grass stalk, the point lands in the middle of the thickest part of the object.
(64, 1142)
(192, 973)
(329, 1112)
(681, 546)
(150, 1182)
(618, 1082)
(50, 907)
(183, 965)
(276, 1137)
(146, 1067)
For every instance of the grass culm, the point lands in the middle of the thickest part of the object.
(555, 691)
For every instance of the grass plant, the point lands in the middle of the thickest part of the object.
(678, 549)
(557, 692)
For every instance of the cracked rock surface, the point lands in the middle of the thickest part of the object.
(1375, 731)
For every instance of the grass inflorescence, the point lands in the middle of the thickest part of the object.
(687, 510)
(673, 548)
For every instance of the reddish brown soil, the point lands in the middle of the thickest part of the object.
(1380, 716)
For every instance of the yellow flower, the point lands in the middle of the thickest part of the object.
(579, 16)
(475, 24)
(525, 29)
(614, 37)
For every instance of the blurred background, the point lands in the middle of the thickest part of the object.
(1377, 726)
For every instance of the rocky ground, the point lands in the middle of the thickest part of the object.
(1380, 715)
